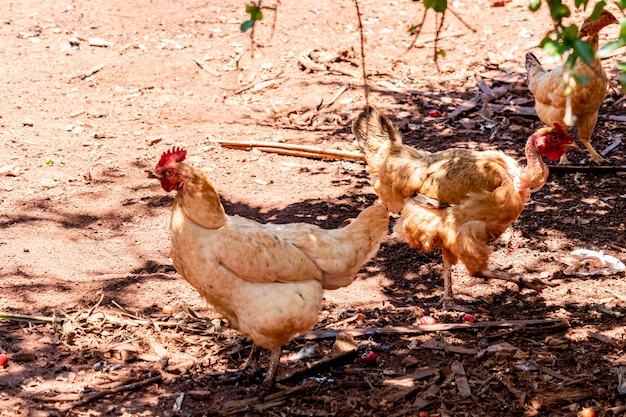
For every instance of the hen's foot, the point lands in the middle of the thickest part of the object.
(564, 160)
(598, 161)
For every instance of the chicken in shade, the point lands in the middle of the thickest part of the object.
(586, 97)
(457, 200)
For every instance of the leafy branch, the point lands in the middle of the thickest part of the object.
(440, 7)
(255, 10)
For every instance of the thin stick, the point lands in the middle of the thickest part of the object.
(292, 149)
(31, 319)
(365, 86)
(419, 30)
(128, 387)
(437, 34)
(587, 168)
(612, 146)
(346, 156)
(455, 14)
(327, 334)
(617, 247)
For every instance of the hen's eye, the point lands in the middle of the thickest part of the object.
(168, 173)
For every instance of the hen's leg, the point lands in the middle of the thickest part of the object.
(447, 299)
(585, 128)
(272, 370)
(252, 365)
(536, 284)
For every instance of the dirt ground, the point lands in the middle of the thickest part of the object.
(94, 91)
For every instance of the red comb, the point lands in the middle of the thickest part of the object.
(174, 155)
(560, 129)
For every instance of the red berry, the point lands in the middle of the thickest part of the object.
(434, 113)
(427, 320)
(4, 360)
(422, 414)
(368, 357)
(587, 412)
(469, 318)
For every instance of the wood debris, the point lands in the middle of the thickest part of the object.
(461, 380)
(87, 73)
(306, 151)
(417, 329)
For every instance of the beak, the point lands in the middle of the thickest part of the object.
(151, 174)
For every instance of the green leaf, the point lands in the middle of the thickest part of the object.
(597, 9)
(570, 33)
(578, 3)
(536, 4)
(246, 25)
(558, 11)
(439, 6)
(441, 53)
(580, 79)
(549, 46)
(584, 50)
(254, 11)
(414, 28)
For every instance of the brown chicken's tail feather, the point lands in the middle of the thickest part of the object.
(364, 234)
(373, 131)
(532, 67)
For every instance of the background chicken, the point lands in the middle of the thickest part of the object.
(548, 87)
(266, 279)
(457, 200)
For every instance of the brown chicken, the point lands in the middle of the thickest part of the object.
(457, 200)
(266, 279)
(548, 87)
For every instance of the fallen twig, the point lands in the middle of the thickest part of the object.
(31, 319)
(326, 334)
(551, 372)
(128, 387)
(260, 85)
(587, 168)
(88, 73)
(241, 406)
(612, 146)
(427, 39)
(617, 247)
(293, 149)
(207, 68)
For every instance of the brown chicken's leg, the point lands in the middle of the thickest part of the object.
(447, 299)
(585, 129)
(536, 284)
(272, 370)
